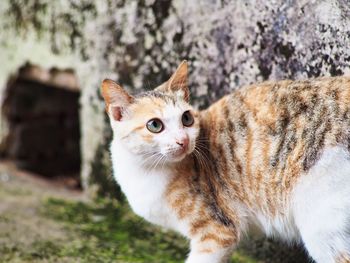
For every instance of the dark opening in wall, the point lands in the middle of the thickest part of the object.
(41, 109)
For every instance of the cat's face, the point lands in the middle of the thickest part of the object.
(159, 126)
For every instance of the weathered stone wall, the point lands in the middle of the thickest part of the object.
(139, 43)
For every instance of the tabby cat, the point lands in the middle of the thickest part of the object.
(273, 155)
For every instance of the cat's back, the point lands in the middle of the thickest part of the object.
(264, 136)
(309, 109)
(303, 108)
(290, 96)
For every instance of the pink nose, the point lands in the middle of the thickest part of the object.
(183, 142)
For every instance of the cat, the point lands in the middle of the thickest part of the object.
(273, 155)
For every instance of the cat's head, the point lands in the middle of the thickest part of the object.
(155, 125)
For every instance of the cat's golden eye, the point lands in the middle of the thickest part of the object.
(187, 119)
(155, 125)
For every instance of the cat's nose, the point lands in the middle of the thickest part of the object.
(183, 142)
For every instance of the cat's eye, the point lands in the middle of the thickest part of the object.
(155, 125)
(187, 119)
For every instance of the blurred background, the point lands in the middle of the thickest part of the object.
(59, 202)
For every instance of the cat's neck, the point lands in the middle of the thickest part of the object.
(123, 158)
(145, 188)
(135, 178)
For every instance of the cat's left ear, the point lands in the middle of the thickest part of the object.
(178, 82)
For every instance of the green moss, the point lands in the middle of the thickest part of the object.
(107, 231)
(39, 250)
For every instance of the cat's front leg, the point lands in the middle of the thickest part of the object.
(210, 251)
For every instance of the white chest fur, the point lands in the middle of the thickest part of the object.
(144, 189)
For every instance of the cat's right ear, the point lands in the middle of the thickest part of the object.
(116, 99)
(178, 82)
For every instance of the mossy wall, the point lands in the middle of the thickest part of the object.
(139, 44)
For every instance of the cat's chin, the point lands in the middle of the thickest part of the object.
(178, 156)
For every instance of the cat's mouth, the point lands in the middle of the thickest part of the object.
(177, 154)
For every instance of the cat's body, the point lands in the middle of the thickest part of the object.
(273, 155)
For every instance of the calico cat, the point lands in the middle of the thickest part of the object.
(274, 155)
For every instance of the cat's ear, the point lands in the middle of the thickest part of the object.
(116, 99)
(178, 82)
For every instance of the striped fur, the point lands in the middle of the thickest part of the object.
(249, 151)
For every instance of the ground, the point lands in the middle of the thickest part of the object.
(44, 221)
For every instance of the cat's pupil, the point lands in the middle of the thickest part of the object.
(187, 119)
(154, 125)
